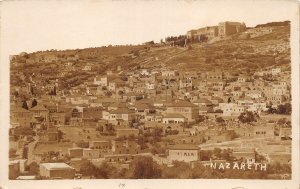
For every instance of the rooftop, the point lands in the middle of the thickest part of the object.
(182, 103)
(203, 100)
(122, 111)
(174, 116)
(184, 147)
(53, 166)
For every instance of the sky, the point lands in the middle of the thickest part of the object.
(28, 26)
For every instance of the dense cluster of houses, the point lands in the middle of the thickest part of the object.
(177, 102)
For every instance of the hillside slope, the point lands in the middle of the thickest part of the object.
(255, 49)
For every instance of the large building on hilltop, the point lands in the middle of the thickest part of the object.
(230, 28)
(222, 30)
(207, 32)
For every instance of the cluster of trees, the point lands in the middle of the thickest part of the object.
(151, 136)
(33, 104)
(182, 40)
(33, 168)
(217, 153)
(103, 172)
(177, 40)
(143, 167)
(171, 132)
(285, 109)
(106, 129)
(248, 117)
(284, 122)
(140, 168)
(220, 120)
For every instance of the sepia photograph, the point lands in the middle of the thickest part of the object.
(150, 91)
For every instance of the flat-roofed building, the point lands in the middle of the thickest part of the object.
(14, 169)
(185, 108)
(209, 32)
(174, 119)
(186, 153)
(75, 152)
(105, 144)
(230, 28)
(56, 171)
(91, 153)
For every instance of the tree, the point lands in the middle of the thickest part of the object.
(33, 168)
(217, 152)
(16, 94)
(281, 121)
(24, 105)
(142, 142)
(271, 110)
(284, 108)
(25, 152)
(157, 132)
(100, 128)
(109, 128)
(12, 153)
(34, 103)
(206, 155)
(54, 90)
(87, 169)
(229, 100)
(220, 120)
(108, 93)
(247, 117)
(145, 168)
(102, 172)
(201, 118)
(60, 135)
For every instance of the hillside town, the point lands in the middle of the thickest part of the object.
(156, 110)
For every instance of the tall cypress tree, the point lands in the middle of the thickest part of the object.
(24, 105)
(34, 103)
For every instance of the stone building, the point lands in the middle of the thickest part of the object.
(208, 32)
(186, 153)
(230, 28)
(57, 170)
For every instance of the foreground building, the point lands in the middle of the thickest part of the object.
(186, 153)
(57, 171)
